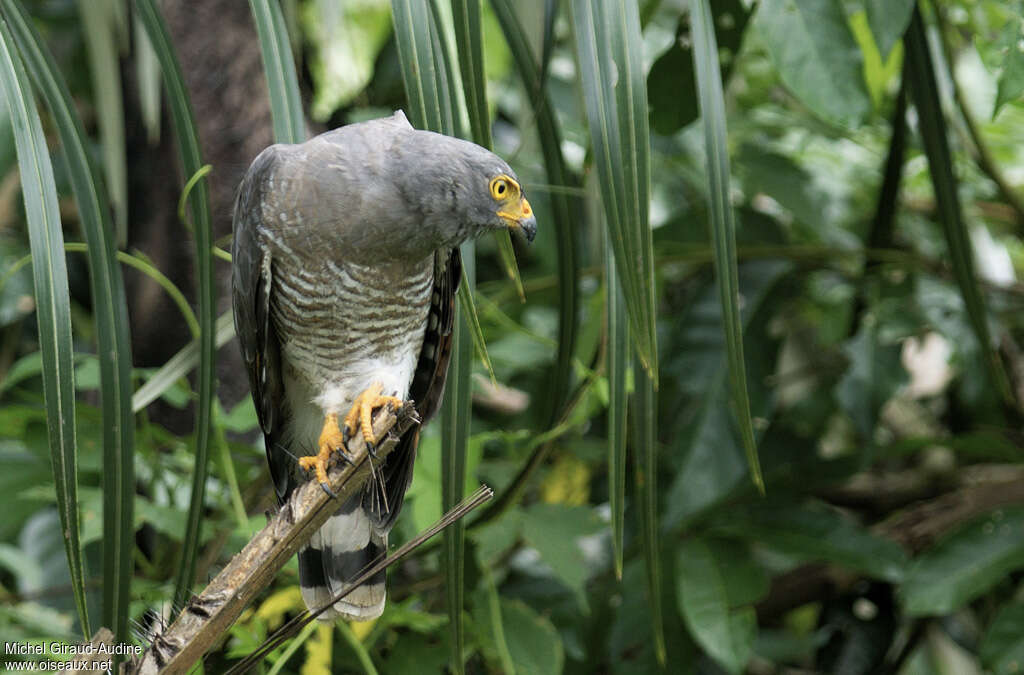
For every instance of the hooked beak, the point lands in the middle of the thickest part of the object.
(520, 217)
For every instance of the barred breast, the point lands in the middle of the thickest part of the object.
(344, 326)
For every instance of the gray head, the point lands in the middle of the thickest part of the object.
(460, 189)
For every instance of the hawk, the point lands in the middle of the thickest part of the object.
(345, 267)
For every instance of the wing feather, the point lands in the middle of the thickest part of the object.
(252, 284)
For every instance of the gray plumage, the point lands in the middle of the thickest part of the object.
(345, 267)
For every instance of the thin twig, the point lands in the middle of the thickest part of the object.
(208, 615)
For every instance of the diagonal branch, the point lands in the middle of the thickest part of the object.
(207, 616)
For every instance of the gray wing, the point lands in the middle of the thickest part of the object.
(426, 390)
(251, 283)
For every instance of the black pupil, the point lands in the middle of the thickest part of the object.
(501, 188)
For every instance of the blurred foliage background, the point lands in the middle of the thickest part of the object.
(877, 191)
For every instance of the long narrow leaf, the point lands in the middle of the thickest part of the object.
(188, 145)
(617, 331)
(279, 66)
(110, 313)
(925, 93)
(53, 313)
(100, 26)
(147, 72)
(432, 106)
(723, 228)
(643, 407)
(610, 51)
(422, 75)
(180, 365)
(567, 212)
(469, 39)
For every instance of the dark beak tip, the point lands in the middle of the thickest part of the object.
(529, 228)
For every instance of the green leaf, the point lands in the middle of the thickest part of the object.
(1011, 77)
(888, 20)
(469, 40)
(533, 643)
(53, 313)
(180, 365)
(817, 57)
(965, 564)
(1002, 647)
(188, 146)
(554, 530)
(701, 591)
(873, 377)
(110, 315)
(285, 102)
(566, 212)
(672, 83)
(427, 88)
(99, 26)
(617, 332)
(707, 445)
(723, 226)
(814, 532)
(610, 60)
(643, 407)
(432, 100)
(147, 72)
(925, 93)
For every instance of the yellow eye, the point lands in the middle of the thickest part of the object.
(503, 188)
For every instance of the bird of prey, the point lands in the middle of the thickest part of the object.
(345, 268)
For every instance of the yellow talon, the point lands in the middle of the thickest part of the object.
(331, 440)
(361, 413)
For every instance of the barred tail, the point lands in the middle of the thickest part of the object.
(338, 552)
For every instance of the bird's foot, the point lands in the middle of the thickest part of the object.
(331, 440)
(361, 413)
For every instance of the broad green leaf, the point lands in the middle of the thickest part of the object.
(1011, 77)
(533, 643)
(924, 90)
(110, 314)
(53, 315)
(188, 146)
(275, 48)
(726, 635)
(888, 20)
(965, 564)
(341, 41)
(554, 530)
(873, 377)
(708, 449)
(816, 56)
(814, 532)
(1002, 647)
(672, 83)
(723, 226)
(567, 211)
(609, 53)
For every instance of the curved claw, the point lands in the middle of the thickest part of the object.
(327, 488)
